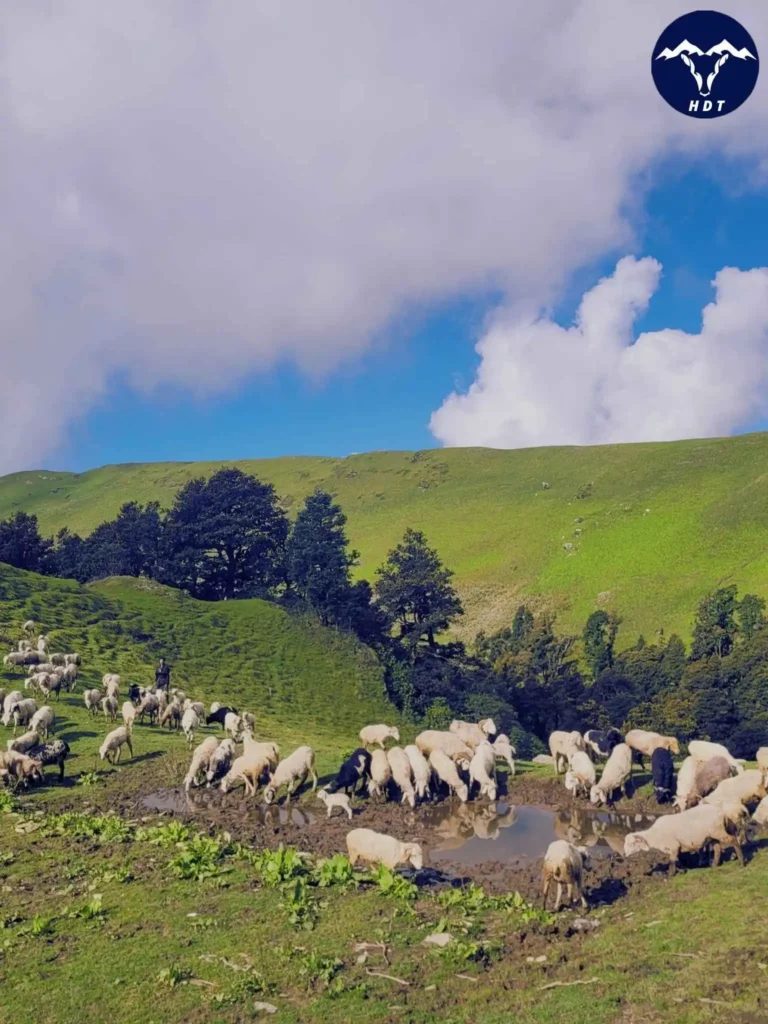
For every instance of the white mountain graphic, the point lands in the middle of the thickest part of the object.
(686, 51)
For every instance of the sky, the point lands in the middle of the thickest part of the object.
(244, 230)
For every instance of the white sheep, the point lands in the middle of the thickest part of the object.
(92, 699)
(112, 686)
(580, 777)
(57, 659)
(331, 800)
(9, 703)
(149, 706)
(760, 816)
(291, 773)
(171, 715)
(114, 742)
(201, 759)
(42, 667)
(29, 627)
(421, 770)
(266, 748)
(25, 742)
(249, 722)
(562, 745)
(363, 844)
(233, 724)
(36, 681)
(447, 743)
(686, 784)
(110, 678)
(23, 712)
(73, 659)
(564, 864)
(109, 707)
(504, 751)
(703, 751)
(446, 771)
(24, 646)
(214, 707)
(371, 734)
(402, 774)
(482, 770)
(381, 773)
(189, 722)
(762, 758)
(473, 734)
(749, 787)
(23, 768)
(16, 659)
(70, 676)
(690, 831)
(42, 721)
(616, 773)
(128, 712)
(645, 742)
(221, 760)
(248, 768)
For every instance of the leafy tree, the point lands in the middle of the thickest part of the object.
(751, 617)
(317, 559)
(414, 591)
(225, 537)
(21, 544)
(715, 626)
(67, 558)
(599, 636)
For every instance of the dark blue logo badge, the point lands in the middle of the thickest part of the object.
(705, 64)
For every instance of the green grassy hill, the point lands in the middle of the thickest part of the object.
(663, 523)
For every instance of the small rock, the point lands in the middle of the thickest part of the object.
(536, 959)
(264, 1007)
(430, 988)
(544, 485)
(362, 958)
(542, 759)
(568, 546)
(579, 519)
(583, 924)
(762, 967)
(438, 939)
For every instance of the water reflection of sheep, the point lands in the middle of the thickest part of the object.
(469, 820)
(587, 830)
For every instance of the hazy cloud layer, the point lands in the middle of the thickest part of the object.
(540, 383)
(192, 191)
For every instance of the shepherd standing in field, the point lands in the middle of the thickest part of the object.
(162, 675)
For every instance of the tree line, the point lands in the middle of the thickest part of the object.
(227, 537)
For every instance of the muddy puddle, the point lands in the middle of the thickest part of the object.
(177, 801)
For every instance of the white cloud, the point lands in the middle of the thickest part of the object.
(539, 383)
(192, 192)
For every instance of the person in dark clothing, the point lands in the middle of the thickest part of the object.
(162, 675)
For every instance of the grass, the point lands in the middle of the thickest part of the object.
(498, 528)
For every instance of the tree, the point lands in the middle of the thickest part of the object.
(67, 557)
(414, 590)
(599, 636)
(21, 544)
(225, 537)
(715, 626)
(751, 617)
(317, 559)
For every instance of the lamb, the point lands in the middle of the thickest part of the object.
(482, 769)
(504, 751)
(114, 742)
(602, 743)
(749, 787)
(663, 772)
(233, 724)
(421, 770)
(472, 734)
(332, 800)
(447, 743)
(42, 721)
(377, 848)
(562, 746)
(201, 758)
(646, 742)
(446, 771)
(129, 713)
(22, 713)
(616, 773)
(402, 774)
(221, 760)
(149, 706)
(291, 773)
(23, 768)
(704, 751)
(564, 863)
(56, 752)
(381, 773)
(25, 742)
(109, 707)
(371, 734)
(689, 832)
(92, 699)
(580, 777)
(357, 767)
(189, 722)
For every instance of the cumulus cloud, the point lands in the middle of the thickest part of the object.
(539, 383)
(194, 191)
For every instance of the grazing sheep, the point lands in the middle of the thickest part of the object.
(23, 712)
(52, 683)
(482, 770)
(221, 760)
(749, 787)
(233, 724)
(109, 707)
(70, 677)
(562, 747)
(704, 751)
(42, 721)
(446, 771)
(504, 751)
(580, 777)
(663, 772)
(218, 716)
(16, 659)
(689, 832)
(371, 734)
(149, 706)
(564, 863)
(355, 769)
(114, 742)
(129, 713)
(601, 743)
(73, 659)
(56, 752)
(249, 722)
(201, 759)
(110, 679)
(36, 681)
(92, 699)
(686, 782)
(377, 848)
(616, 773)
(760, 817)
(171, 715)
(421, 770)
(134, 693)
(291, 773)
(57, 659)
(247, 768)
(331, 800)
(646, 742)
(472, 734)
(9, 703)
(381, 773)
(709, 775)
(25, 742)
(24, 646)
(402, 775)
(23, 768)
(189, 722)
(42, 667)
(29, 627)
(214, 707)
(197, 706)
(447, 743)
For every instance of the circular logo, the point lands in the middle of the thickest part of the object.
(705, 64)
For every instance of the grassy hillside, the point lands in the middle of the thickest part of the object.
(663, 522)
(304, 682)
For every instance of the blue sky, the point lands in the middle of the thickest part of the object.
(695, 221)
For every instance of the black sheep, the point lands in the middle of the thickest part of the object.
(663, 773)
(54, 752)
(356, 767)
(134, 693)
(218, 716)
(602, 743)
